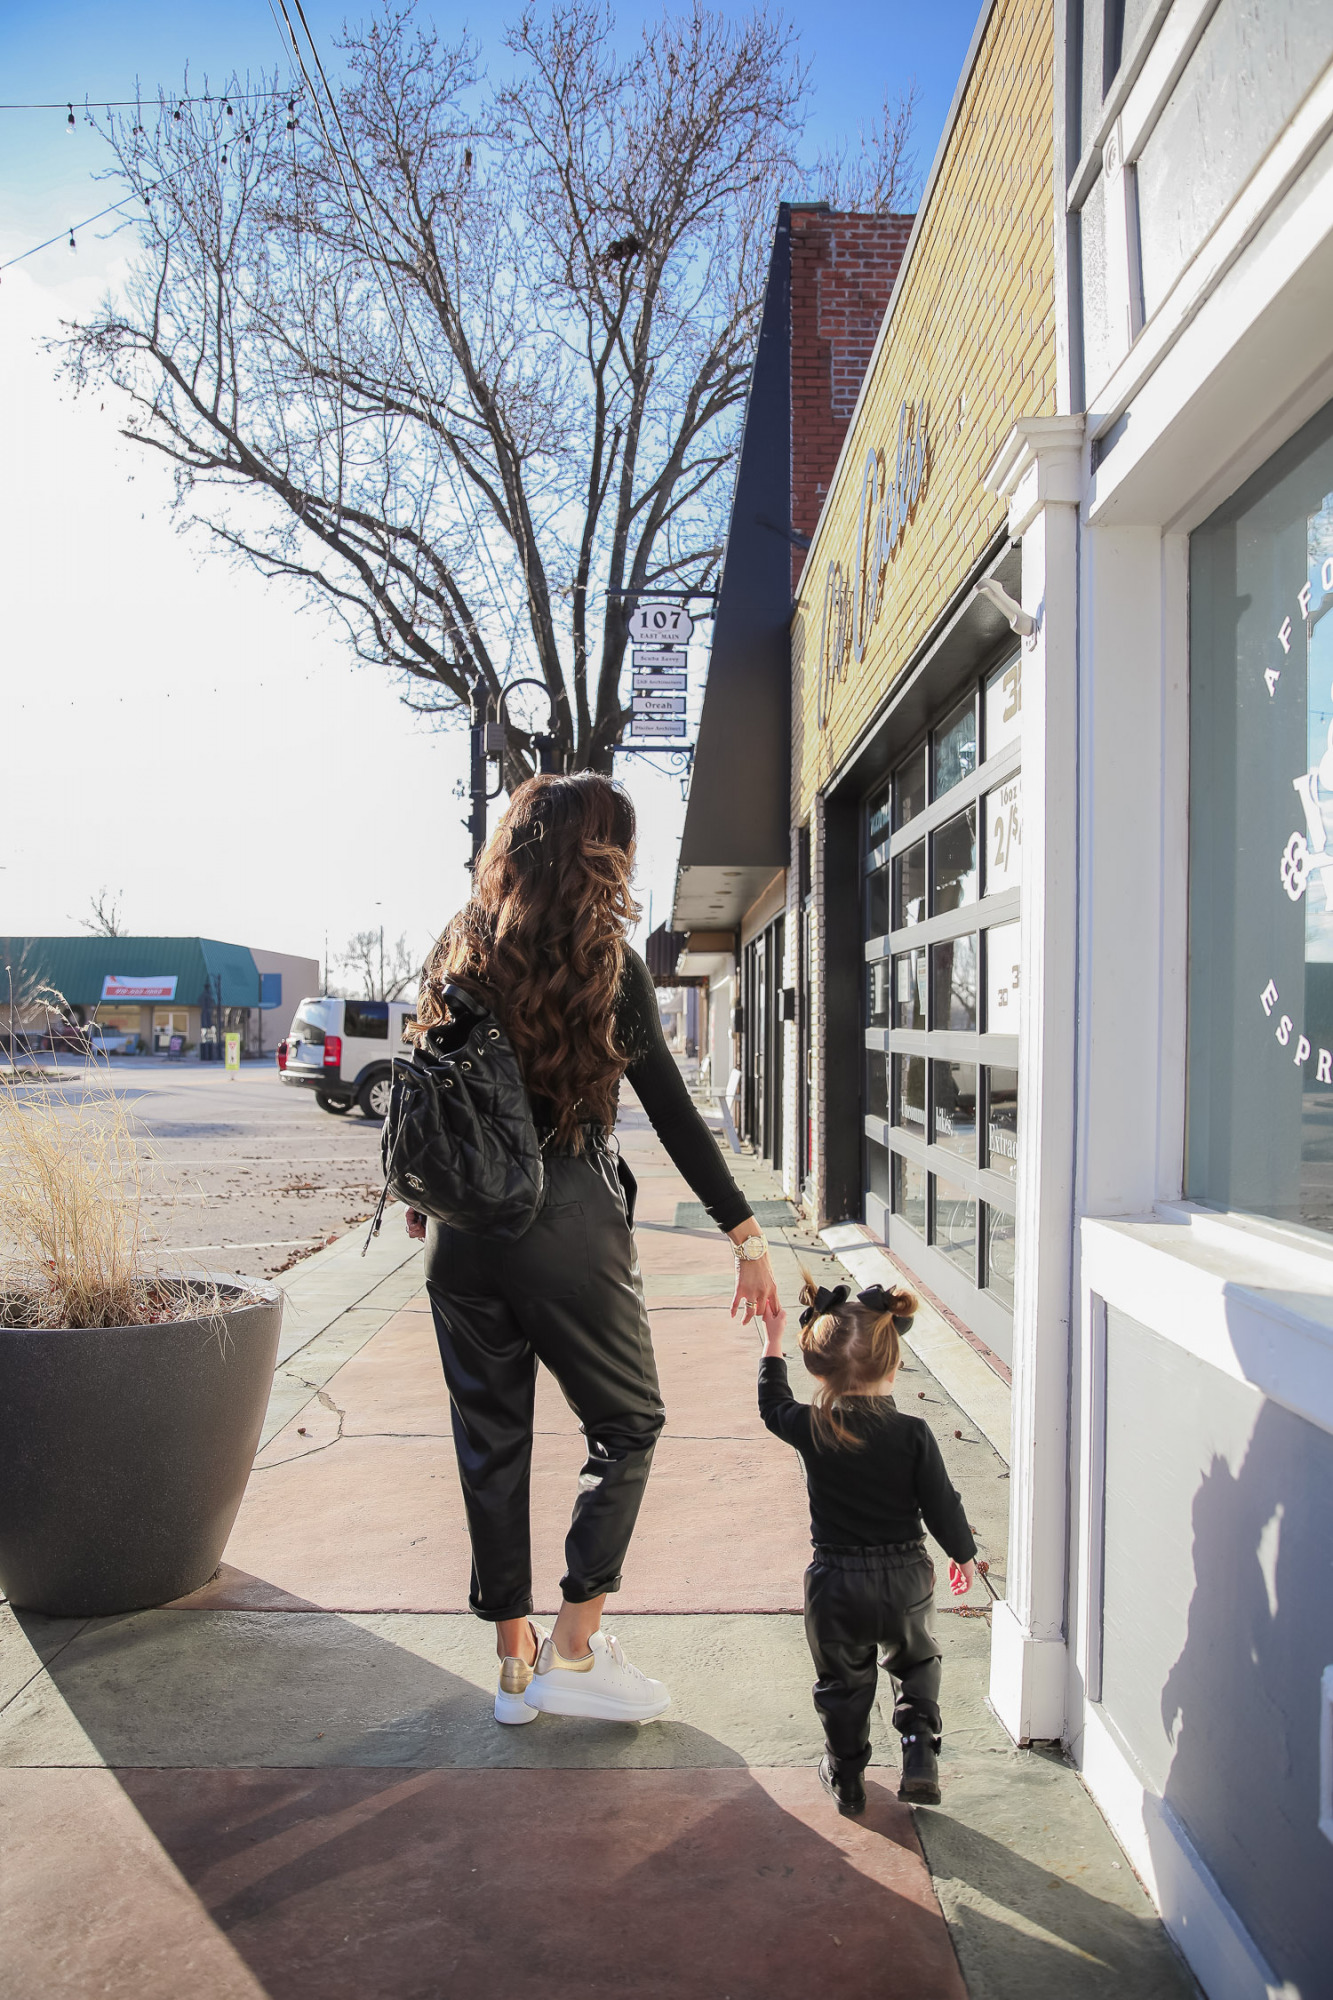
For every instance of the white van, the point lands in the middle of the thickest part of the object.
(342, 1049)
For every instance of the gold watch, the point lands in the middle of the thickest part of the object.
(751, 1249)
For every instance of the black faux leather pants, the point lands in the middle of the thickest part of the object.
(865, 1609)
(567, 1293)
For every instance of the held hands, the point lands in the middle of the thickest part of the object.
(416, 1225)
(774, 1322)
(962, 1576)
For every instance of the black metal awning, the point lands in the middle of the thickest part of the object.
(737, 824)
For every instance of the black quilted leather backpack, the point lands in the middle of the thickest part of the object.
(459, 1142)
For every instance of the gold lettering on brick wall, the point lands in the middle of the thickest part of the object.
(887, 506)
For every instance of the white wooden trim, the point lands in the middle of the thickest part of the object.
(1220, 1951)
(1260, 1310)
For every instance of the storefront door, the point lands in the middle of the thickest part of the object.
(762, 1064)
(942, 846)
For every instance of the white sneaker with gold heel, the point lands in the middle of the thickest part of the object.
(515, 1676)
(603, 1685)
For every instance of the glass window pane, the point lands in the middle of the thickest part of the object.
(877, 993)
(1002, 968)
(909, 788)
(954, 969)
(909, 1193)
(1004, 705)
(955, 1090)
(367, 1020)
(954, 849)
(1001, 1148)
(909, 1087)
(909, 886)
(909, 989)
(877, 1085)
(1260, 1041)
(877, 1170)
(1002, 817)
(1000, 1255)
(955, 1228)
(879, 816)
(877, 903)
(954, 748)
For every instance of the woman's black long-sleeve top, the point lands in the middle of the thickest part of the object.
(879, 1493)
(660, 1088)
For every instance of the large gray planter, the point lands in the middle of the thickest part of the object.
(124, 1453)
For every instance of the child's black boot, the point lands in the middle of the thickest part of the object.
(920, 1781)
(847, 1788)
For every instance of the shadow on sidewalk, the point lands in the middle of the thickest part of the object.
(337, 1802)
(1023, 1933)
(339, 1885)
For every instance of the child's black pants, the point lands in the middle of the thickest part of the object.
(865, 1609)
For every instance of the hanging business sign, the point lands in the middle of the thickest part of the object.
(658, 682)
(117, 986)
(854, 597)
(657, 621)
(656, 725)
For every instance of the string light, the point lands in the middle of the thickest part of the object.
(85, 224)
(134, 103)
(69, 122)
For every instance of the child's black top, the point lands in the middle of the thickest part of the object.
(863, 1498)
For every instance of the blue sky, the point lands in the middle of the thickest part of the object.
(169, 705)
(62, 51)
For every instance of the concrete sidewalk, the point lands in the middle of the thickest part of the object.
(290, 1783)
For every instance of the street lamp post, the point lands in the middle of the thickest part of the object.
(488, 740)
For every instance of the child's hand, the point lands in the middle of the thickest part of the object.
(962, 1576)
(774, 1323)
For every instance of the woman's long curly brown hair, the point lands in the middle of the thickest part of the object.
(543, 938)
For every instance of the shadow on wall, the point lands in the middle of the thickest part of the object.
(1241, 1704)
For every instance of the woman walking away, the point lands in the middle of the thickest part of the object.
(543, 941)
(872, 1474)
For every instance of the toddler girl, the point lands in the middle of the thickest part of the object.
(873, 1475)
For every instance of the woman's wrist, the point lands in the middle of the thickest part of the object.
(749, 1244)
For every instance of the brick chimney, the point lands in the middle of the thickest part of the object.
(843, 268)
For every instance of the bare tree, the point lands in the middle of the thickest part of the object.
(107, 919)
(465, 361)
(878, 174)
(379, 972)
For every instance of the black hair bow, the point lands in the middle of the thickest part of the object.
(825, 1302)
(876, 1298)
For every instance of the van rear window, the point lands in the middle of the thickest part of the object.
(367, 1019)
(303, 1029)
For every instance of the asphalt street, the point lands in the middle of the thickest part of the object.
(248, 1175)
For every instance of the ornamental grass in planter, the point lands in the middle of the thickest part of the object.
(131, 1397)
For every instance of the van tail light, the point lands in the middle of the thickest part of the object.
(282, 1055)
(333, 1051)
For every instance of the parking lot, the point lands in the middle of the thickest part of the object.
(248, 1174)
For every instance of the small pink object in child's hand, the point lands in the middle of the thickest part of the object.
(960, 1581)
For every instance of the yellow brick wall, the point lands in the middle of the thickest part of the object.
(972, 339)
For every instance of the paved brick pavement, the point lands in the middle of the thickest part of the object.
(290, 1784)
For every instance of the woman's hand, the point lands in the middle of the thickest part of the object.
(774, 1323)
(416, 1225)
(755, 1284)
(962, 1576)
